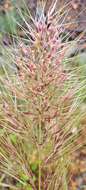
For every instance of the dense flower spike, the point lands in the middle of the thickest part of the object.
(40, 115)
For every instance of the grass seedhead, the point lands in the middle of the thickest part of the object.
(41, 118)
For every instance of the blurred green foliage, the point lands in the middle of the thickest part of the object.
(7, 23)
(9, 17)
